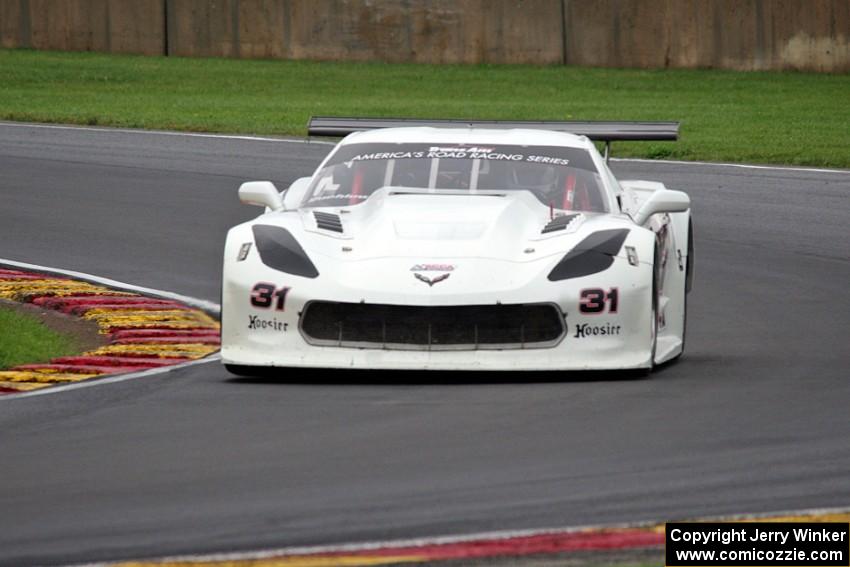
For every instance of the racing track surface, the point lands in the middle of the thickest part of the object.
(753, 419)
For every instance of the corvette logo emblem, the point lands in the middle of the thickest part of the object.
(431, 281)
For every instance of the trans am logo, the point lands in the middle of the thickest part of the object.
(448, 268)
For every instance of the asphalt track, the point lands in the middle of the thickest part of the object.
(754, 418)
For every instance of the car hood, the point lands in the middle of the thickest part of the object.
(490, 245)
(508, 226)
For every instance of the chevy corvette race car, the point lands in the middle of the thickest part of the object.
(460, 246)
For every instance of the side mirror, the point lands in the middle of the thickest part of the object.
(662, 201)
(261, 193)
(295, 194)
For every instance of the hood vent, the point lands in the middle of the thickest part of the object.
(328, 221)
(559, 223)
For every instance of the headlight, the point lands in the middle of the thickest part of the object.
(279, 250)
(593, 254)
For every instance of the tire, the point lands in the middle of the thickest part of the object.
(689, 275)
(689, 269)
(654, 314)
(689, 283)
(653, 317)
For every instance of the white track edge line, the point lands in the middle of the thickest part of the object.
(168, 133)
(439, 540)
(325, 142)
(736, 165)
(95, 381)
(203, 304)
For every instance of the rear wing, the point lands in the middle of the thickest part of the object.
(600, 131)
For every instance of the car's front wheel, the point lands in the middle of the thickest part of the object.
(653, 318)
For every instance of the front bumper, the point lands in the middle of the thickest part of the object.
(272, 337)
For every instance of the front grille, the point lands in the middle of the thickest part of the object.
(456, 327)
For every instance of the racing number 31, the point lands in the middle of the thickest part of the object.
(595, 300)
(263, 294)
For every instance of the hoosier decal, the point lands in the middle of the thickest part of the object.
(584, 330)
(256, 323)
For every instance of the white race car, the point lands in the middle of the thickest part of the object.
(447, 245)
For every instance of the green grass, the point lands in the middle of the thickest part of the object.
(25, 339)
(793, 118)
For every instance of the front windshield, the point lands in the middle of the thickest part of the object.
(560, 177)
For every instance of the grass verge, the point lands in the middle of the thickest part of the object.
(765, 117)
(24, 339)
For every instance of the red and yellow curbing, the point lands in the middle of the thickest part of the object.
(144, 332)
(538, 543)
